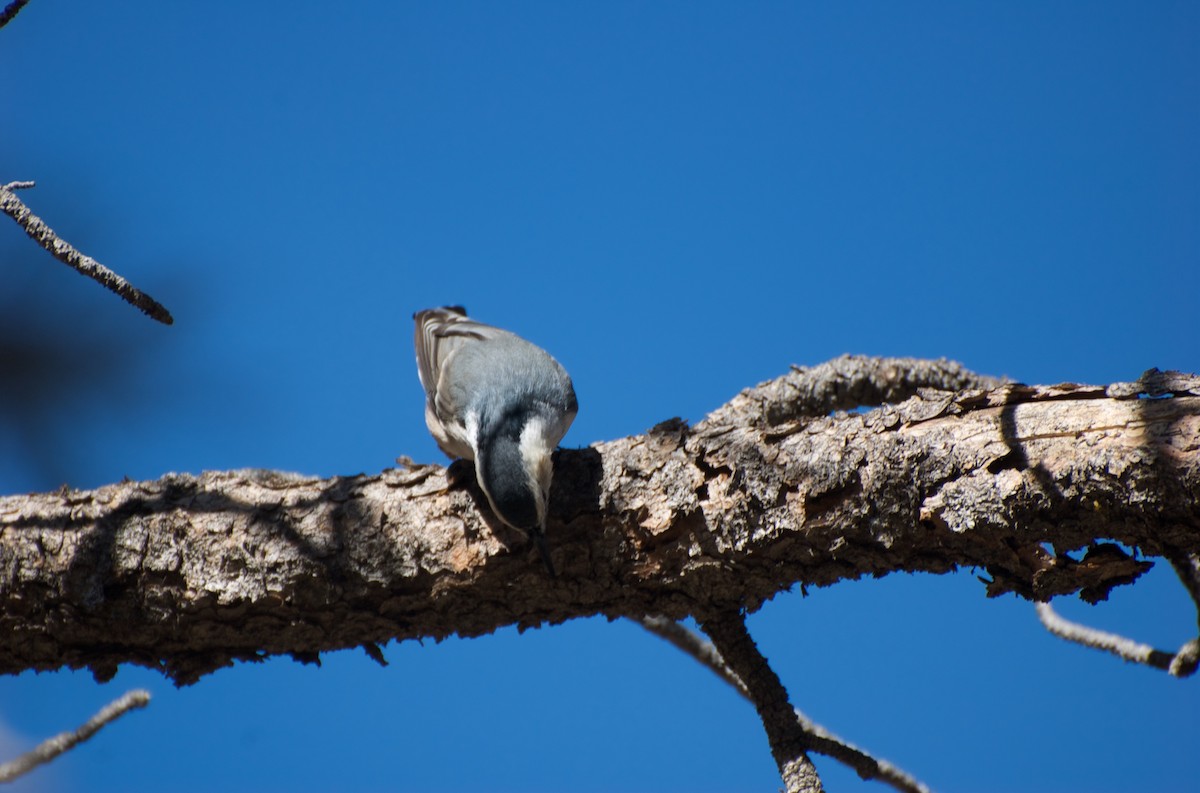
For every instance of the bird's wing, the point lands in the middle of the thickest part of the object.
(432, 326)
(440, 334)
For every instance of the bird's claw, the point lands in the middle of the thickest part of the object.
(459, 474)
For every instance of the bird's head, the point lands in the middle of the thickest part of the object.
(514, 469)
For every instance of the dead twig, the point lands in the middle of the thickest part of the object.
(1187, 567)
(1179, 664)
(51, 748)
(60, 249)
(11, 10)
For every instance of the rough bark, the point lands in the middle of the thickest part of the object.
(188, 573)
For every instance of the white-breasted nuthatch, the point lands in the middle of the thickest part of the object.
(497, 399)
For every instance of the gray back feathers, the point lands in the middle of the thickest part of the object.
(469, 368)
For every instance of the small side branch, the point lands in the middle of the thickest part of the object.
(1180, 664)
(1187, 567)
(789, 743)
(696, 646)
(821, 740)
(51, 748)
(60, 249)
(11, 10)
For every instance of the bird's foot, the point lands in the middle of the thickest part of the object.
(459, 473)
(539, 539)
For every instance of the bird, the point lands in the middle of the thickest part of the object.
(501, 401)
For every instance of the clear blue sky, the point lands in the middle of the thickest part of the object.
(678, 200)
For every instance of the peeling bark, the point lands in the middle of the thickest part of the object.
(188, 573)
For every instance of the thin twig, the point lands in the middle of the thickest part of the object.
(11, 10)
(1185, 662)
(51, 748)
(60, 249)
(1187, 567)
(789, 743)
(694, 645)
(1180, 664)
(821, 740)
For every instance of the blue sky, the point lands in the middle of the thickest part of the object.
(676, 199)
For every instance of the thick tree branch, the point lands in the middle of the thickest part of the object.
(789, 743)
(189, 573)
(820, 740)
(51, 748)
(62, 250)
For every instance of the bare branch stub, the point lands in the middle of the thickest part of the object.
(60, 249)
(51, 748)
(789, 743)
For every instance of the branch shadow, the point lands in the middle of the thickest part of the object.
(1104, 565)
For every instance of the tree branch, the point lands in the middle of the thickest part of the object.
(1183, 663)
(60, 249)
(1187, 567)
(820, 740)
(11, 10)
(1180, 664)
(789, 743)
(848, 382)
(51, 748)
(695, 645)
(187, 574)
